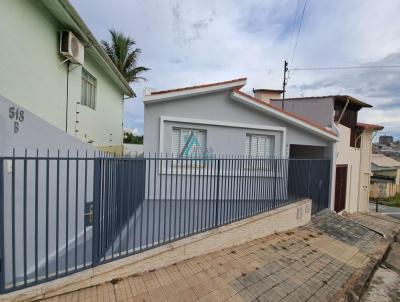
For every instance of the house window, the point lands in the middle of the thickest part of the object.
(261, 146)
(189, 142)
(88, 93)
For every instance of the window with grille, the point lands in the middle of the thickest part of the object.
(88, 93)
(189, 142)
(261, 146)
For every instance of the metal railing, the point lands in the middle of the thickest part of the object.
(63, 214)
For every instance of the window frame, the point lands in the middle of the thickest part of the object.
(248, 149)
(203, 153)
(88, 81)
(254, 162)
(194, 162)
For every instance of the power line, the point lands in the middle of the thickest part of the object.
(345, 67)
(293, 24)
(299, 30)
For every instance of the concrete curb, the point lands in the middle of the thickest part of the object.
(359, 282)
(393, 259)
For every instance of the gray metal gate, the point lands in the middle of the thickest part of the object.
(119, 190)
(63, 214)
(311, 178)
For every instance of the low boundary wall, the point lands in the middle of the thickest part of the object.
(258, 226)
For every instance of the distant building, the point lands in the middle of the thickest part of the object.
(386, 139)
(385, 181)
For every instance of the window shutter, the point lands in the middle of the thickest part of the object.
(185, 135)
(196, 146)
(247, 147)
(253, 145)
(259, 145)
(176, 138)
(202, 139)
(269, 146)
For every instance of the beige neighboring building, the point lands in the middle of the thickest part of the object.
(353, 168)
(353, 151)
(385, 181)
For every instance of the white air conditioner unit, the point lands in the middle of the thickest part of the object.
(71, 47)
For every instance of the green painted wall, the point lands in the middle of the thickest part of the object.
(31, 75)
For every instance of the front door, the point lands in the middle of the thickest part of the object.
(340, 187)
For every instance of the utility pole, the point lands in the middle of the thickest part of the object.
(285, 70)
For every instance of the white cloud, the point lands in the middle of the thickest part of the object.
(192, 42)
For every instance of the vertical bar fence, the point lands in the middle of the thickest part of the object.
(63, 214)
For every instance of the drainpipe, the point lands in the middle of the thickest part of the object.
(67, 99)
(344, 109)
(334, 156)
(336, 129)
(333, 176)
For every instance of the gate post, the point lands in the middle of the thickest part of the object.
(275, 179)
(2, 270)
(96, 211)
(217, 198)
(309, 178)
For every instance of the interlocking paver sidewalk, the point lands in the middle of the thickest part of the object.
(318, 262)
(383, 224)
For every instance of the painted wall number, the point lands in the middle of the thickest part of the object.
(17, 116)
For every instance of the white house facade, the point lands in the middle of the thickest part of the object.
(82, 96)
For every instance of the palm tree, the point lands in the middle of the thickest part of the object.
(122, 52)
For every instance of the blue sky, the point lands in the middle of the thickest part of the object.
(193, 42)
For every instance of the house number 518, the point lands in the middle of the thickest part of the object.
(17, 115)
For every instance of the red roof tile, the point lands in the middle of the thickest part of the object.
(291, 114)
(199, 86)
(369, 126)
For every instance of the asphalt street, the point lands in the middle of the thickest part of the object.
(391, 211)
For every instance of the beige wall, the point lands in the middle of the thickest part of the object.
(266, 96)
(365, 171)
(349, 156)
(359, 173)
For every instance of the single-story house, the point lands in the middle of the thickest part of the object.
(220, 119)
(385, 181)
(52, 66)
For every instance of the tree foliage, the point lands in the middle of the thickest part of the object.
(130, 138)
(122, 51)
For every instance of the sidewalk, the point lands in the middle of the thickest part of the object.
(384, 285)
(327, 260)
